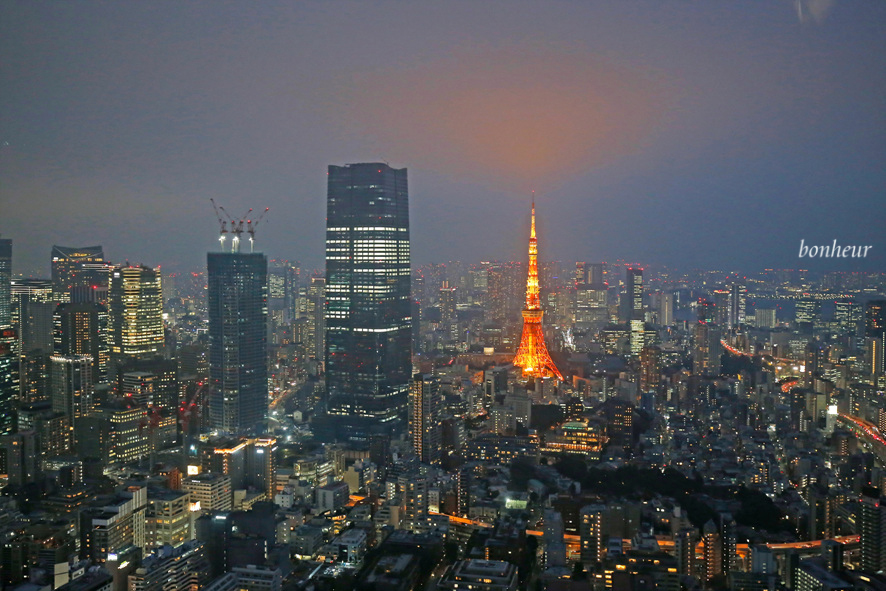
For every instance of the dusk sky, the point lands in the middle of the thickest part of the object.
(710, 134)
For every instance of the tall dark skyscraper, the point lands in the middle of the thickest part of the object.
(9, 384)
(238, 345)
(5, 281)
(368, 306)
(9, 363)
(633, 308)
(425, 430)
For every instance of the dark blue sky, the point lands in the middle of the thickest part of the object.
(693, 134)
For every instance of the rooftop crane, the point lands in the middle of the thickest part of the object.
(223, 225)
(236, 226)
(250, 228)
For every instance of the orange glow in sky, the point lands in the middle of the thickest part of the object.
(512, 118)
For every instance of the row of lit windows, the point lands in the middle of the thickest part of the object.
(367, 229)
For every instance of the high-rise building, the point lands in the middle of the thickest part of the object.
(81, 329)
(729, 540)
(591, 307)
(71, 385)
(875, 317)
(9, 379)
(737, 304)
(283, 285)
(20, 457)
(765, 318)
(34, 376)
(634, 293)
(130, 431)
(875, 345)
(807, 312)
(368, 302)
(650, 368)
(871, 524)
(847, 315)
(590, 529)
(532, 356)
(589, 274)
(135, 315)
(685, 542)
(32, 309)
(707, 349)
(150, 381)
(448, 317)
(666, 309)
(315, 336)
(705, 311)
(713, 551)
(238, 346)
(54, 431)
(261, 465)
(168, 518)
(5, 282)
(212, 491)
(414, 502)
(110, 528)
(67, 264)
(721, 307)
(619, 423)
(632, 310)
(424, 418)
(581, 273)
(91, 283)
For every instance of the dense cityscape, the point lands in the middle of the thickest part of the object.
(509, 295)
(493, 425)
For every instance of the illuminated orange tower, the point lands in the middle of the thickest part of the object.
(533, 354)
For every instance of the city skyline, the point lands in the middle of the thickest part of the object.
(680, 385)
(764, 130)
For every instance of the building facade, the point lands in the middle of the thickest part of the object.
(238, 341)
(368, 303)
(67, 264)
(135, 315)
(425, 431)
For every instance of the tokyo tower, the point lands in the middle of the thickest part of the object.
(533, 354)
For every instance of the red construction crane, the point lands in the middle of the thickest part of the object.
(190, 410)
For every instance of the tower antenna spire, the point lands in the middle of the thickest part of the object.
(533, 356)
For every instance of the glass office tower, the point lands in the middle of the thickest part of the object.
(135, 315)
(368, 307)
(238, 349)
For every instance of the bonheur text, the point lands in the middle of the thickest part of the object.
(833, 251)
